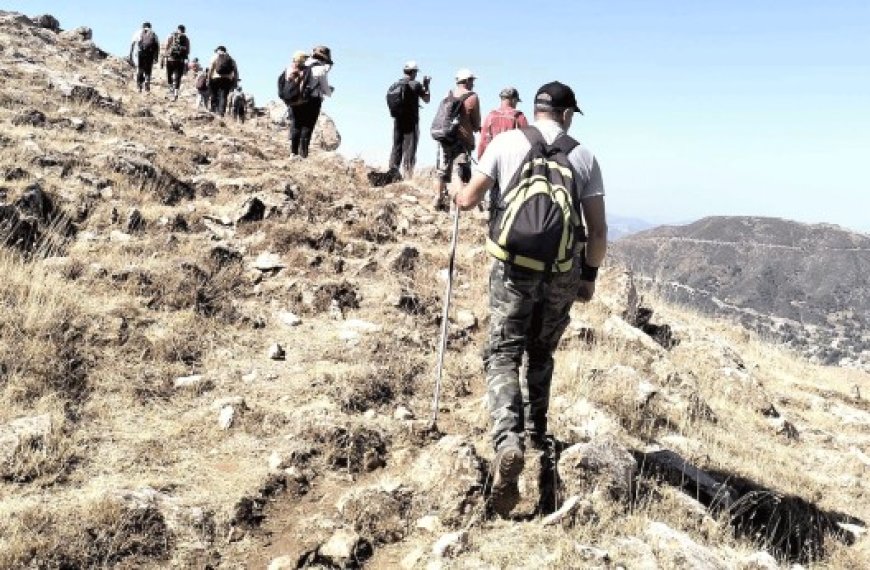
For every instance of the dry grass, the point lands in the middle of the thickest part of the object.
(96, 341)
(97, 535)
(43, 330)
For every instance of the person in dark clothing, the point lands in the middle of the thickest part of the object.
(223, 76)
(176, 52)
(406, 125)
(303, 116)
(147, 48)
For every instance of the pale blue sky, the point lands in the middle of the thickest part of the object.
(693, 109)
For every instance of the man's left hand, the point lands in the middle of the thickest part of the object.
(585, 291)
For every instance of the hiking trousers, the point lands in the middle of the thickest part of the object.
(174, 71)
(303, 118)
(454, 157)
(220, 92)
(144, 66)
(406, 134)
(529, 311)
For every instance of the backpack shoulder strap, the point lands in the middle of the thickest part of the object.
(533, 135)
(565, 143)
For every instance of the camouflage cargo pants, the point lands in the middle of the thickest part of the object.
(529, 311)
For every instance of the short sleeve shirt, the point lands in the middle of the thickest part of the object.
(505, 154)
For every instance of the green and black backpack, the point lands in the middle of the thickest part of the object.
(536, 222)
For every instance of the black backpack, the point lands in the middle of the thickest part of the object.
(178, 46)
(224, 64)
(537, 221)
(293, 92)
(399, 99)
(147, 41)
(445, 125)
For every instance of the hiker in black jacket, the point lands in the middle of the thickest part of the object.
(223, 76)
(406, 122)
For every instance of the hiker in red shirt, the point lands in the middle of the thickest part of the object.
(505, 118)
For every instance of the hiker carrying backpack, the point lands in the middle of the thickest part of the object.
(399, 98)
(224, 66)
(445, 125)
(294, 88)
(536, 221)
(178, 46)
(531, 290)
(223, 76)
(147, 48)
(314, 86)
(505, 118)
(403, 101)
(147, 43)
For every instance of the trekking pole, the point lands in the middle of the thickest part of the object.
(442, 345)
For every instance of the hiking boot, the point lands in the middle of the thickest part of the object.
(442, 202)
(506, 469)
(544, 450)
(175, 94)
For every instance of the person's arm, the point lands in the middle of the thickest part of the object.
(484, 139)
(596, 232)
(472, 193)
(596, 246)
(325, 88)
(475, 112)
(424, 93)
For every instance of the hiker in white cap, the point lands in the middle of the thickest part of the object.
(456, 156)
(403, 101)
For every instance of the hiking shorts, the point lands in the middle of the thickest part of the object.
(455, 158)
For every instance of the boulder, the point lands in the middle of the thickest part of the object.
(602, 468)
(449, 477)
(674, 549)
(253, 210)
(30, 117)
(758, 561)
(82, 33)
(619, 332)
(326, 136)
(48, 22)
(344, 549)
(379, 513)
(451, 544)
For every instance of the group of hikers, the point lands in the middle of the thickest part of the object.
(547, 229)
(547, 234)
(217, 84)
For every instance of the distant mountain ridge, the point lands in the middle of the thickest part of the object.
(806, 285)
(620, 226)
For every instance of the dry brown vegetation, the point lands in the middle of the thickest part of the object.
(134, 470)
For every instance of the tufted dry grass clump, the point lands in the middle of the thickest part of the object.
(97, 535)
(43, 347)
(45, 459)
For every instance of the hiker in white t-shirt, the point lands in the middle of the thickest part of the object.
(147, 48)
(541, 265)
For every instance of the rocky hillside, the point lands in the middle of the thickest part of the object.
(213, 355)
(806, 286)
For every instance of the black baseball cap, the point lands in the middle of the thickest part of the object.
(556, 95)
